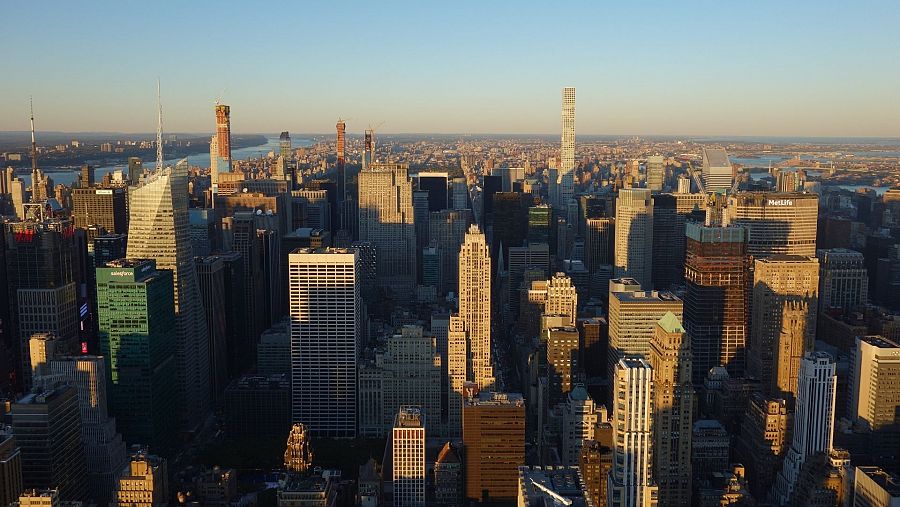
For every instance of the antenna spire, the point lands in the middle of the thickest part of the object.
(33, 145)
(159, 149)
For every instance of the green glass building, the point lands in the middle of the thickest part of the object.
(136, 309)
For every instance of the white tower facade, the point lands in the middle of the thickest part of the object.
(813, 420)
(408, 454)
(630, 483)
(325, 312)
(566, 178)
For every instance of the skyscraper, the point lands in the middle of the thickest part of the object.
(843, 280)
(493, 433)
(783, 325)
(158, 229)
(813, 420)
(103, 446)
(145, 481)
(632, 318)
(386, 220)
(284, 145)
(100, 206)
(656, 173)
(223, 137)
(630, 482)
(47, 427)
(341, 127)
(137, 326)
(673, 409)
(634, 235)
(717, 173)
(716, 300)
(562, 299)
(325, 331)
(10, 468)
(566, 181)
(368, 149)
(874, 389)
(408, 457)
(776, 223)
(447, 231)
(43, 292)
(599, 243)
(579, 424)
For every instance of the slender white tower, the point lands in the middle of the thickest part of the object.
(566, 182)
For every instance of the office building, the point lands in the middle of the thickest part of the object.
(656, 173)
(716, 302)
(562, 485)
(325, 330)
(813, 420)
(632, 319)
(579, 424)
(103, 447)
(257, 404)
(562, 298)
(634, 235)
(493, 433)
(673, 409)
(783, 320)
(843, 280)
(599, 246)
(42, 288)
(631, 483)
(669, 240)
(710, 448)
(716, 172)
(205, 231)
(763, 441)
(874, 389)
(340, 143)
(144, 482)
(447, 232)
(436, 184)
(10, 468)
(776, 223)
(137, 339)
(105, 207)
(875, 487)
(386, 220)
(475, 305)
(566, 177)
(562, 349)
(311, 208)
(528, 258)
(135, 170)
(273, 352)
(211, 280)
(596, 463)
(408, 457)
(411, 375)
(448, 477)
(539, 224)
(109, 247)
(47, 427)
(158, 229)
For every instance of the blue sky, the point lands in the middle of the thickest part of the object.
(815, 68)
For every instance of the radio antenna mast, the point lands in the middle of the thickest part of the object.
(159, 149)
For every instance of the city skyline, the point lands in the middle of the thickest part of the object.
(461, 71)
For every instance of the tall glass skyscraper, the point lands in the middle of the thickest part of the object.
(158, 229)
(138, 338)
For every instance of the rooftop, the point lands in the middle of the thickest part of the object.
(670, 323)
(552, 486)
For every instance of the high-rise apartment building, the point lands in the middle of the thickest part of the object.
(631, 483)
(566, 181)
(716, 302)
(158, 229)
(673, 410)
(783, 320)
(634, 235)
(144, 482)
(221, 154)
(493, 433)
(325, 332)
(874, 388)
(47, 427)
(284, 145)
(103, 447)
(843, 280)
(10, 468)
(137, 339)
(408, 457)
(632, 318)
(716, 173)
(386, 220)
(813, 420)
(105, 207)
(776, 223)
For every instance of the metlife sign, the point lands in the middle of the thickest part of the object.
(780, 202)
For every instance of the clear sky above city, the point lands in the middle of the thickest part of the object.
(799, 68)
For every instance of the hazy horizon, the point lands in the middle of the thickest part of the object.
(766, 69)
